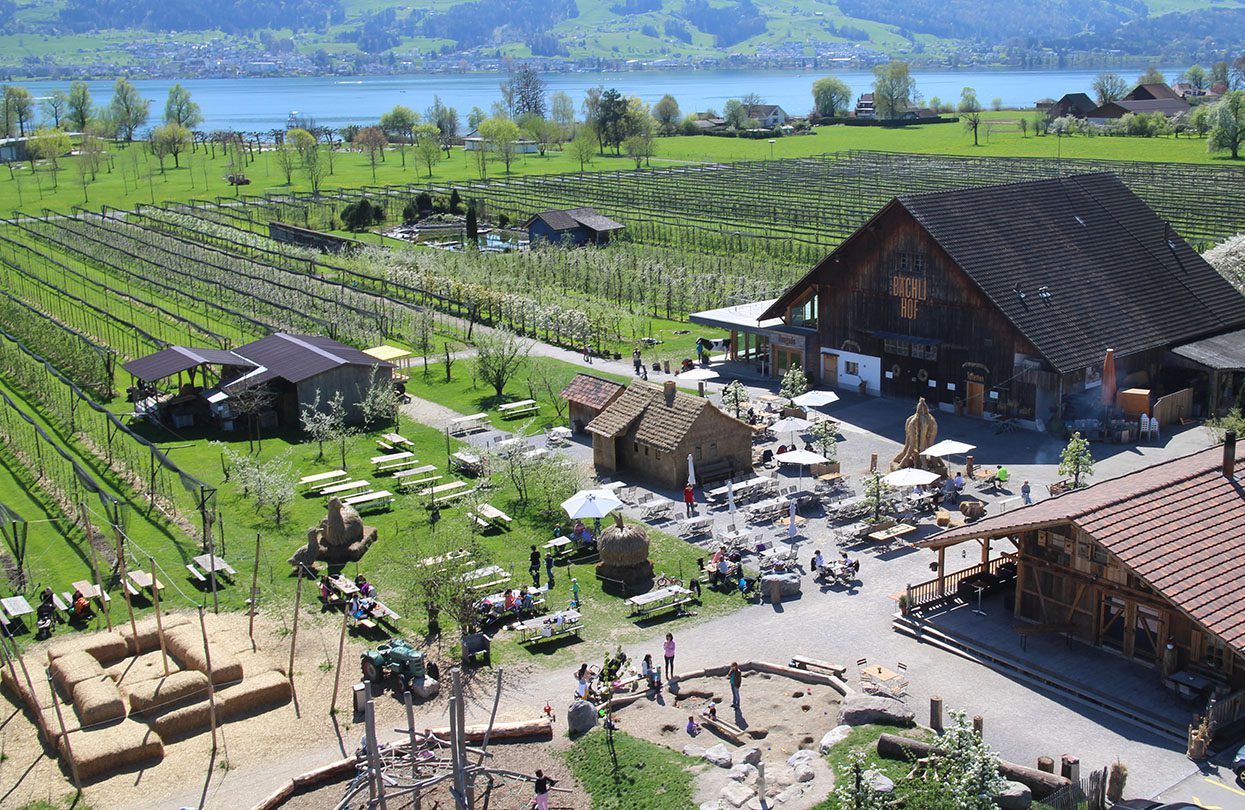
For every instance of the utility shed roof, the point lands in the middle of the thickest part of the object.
(1222, 352)
(175, 359)
(659, 422)
(300, 357)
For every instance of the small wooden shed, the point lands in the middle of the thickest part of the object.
(588, 396)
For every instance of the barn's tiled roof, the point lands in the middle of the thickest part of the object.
(1179, 526)
(572, 218)
(661, 424)
(594, 392)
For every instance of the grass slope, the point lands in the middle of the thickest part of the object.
(637, 773)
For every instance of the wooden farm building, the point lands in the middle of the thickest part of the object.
(588, 396)
(650, 430)
(1002, 301)
(1077, 105)
(289, 369)
(1147, 566)
(1144, 98)
(577, 226)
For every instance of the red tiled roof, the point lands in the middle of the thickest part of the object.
(1179, 526)
(591, 391)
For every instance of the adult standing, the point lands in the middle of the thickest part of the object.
(533, 567)
(636, 360)
(735, 677)
(549, 567)
(689, 499)
(543, 783)
(667, 649)
(1026, 493)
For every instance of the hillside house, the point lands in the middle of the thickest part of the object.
(767, 115)
(649, 431)
(574, 226)
(865, 107)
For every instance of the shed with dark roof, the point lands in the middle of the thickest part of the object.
(588, 395)
(1004, 299)
(649, 431)
(576, 226)
(1148, 565)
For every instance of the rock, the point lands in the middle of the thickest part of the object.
(581, 717)
(694, 751)
(802, 757)
(1014, 797)
(750, 755)
(859, 710)
(804, 773)
(833, 737)
(788, 793)
(425, 688)
(736, 794)
(880, 782)
(718, 755)
(742, 772)
(788, 583)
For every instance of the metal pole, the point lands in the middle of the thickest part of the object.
(207, 656)
(164, 653)
(254, 577)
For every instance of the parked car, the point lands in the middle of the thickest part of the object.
(1147, 804)
(1238, 763)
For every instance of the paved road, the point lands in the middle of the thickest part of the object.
(1214, 788)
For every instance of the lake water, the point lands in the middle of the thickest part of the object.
(261, 104)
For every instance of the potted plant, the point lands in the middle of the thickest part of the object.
(903, 604)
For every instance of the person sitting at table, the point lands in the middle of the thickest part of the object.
(752, 416)
(718, 555)
(782, 448)
(959, 482)
(510, 603)
(326, 592)
(525, 601)
(808, 446)
(81, 606)
(1000, 477)
(818, 560)
(45, 616)
(650, 672)
(745, 586)
(767, 457)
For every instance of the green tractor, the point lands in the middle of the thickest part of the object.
(393, 658)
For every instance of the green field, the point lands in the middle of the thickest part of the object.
(636, 774)
(135, 175)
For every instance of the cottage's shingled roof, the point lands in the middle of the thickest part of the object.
(661, 425)
(594, 392)
(571, 218)
(1177, 525)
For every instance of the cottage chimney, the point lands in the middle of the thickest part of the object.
(669, 387)
(1229, 455)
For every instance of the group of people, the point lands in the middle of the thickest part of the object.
(491, 609)
(846, 567)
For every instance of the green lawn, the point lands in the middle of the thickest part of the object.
(134, 176)
(638, 774)
(865, 739)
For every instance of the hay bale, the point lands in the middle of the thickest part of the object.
(258, 693)
(107, 646)
(184, 721)
(72, 668)
(98, 700)
(166, 693)
(147, 637)
(105, 751)
(186, 645)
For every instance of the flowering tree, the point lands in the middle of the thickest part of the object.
(968, 767)
(825, 434)
(793, 384)
(380, 402)
(877, 495)
(852, 791)
(735, 398)
(1076, 461)
(1228, 257)
(319, 423)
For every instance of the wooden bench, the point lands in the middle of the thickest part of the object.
(1026, 630)
(451, 496)
(419, 482)
(805, 663)
(394, 466)
(468, 424)
(490, 585)
(480, 522)
(365, 623)
(195, 572)
(651, 609)
(60, 603)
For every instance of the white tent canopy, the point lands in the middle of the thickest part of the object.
(909, 477)
(699, 374)
(947, 447)
(591, 503)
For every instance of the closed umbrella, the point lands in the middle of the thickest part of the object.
(791, 520)
(591, 503)
(816, 399)
(910, 477)
(691, 471)
(1108, 378)
(730, 499)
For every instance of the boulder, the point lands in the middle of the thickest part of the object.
(581, 717)
(718, 755)
(833, 737)
(1014, 797)
(804, 772)
(742, 772)
(736, 794)
(788, 583)
(802, 757)
(859, 710)
(694, 751)
(341, 537)
(879, 781)
(750, 755)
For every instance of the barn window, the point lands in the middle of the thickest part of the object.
(1213, 656)
(925, 351)
(851, 367)
(635, 448)
(898, 347)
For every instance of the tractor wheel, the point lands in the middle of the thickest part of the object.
(371, 672)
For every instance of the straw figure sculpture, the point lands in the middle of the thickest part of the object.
(920, 432)
(341, 537)
(624, 553)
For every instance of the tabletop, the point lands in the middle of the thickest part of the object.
(568, 617)
(210, 563)
(385, 459)
(500, 596)
(668, 592)
(346, 487)
(614, 486)
(444, 558)
(559, 542)
(562, 433)
(324, 476)
(894, 531)
(88, 590)
(143, 579)
(343, 585)
(510, 406)
(395, 438)
(368, 497)
(16, 606)
(437, 490)
(475, 417)
(410, 471)
(485, 572)
(466, 458)
(490, 512)
(879, 673)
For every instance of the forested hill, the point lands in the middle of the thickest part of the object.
(1158, 29)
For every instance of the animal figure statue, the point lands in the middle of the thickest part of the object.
(920, 432)
(340, 537)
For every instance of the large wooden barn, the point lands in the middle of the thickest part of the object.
(1147, 566)
(650, 431)
(1004, 299)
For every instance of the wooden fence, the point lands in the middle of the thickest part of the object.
(935, 590)
(1173, 407)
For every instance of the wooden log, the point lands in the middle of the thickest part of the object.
(802, 675)
(310, 779)
(1046, 764)
(935, 713)
(892, 746)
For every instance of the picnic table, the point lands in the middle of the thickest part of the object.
(409, 471)
(659, 599)
(391, 457)
(343, 585)
(443, 559)
(784, 522)
(561, 547)
(347, 486)
(878, 673)
(562, 623)
(396, 438)
(492, 514)
(381, 498)
(441, 489)
(767, 509)
(894, 532)
(520, 408)
(778, 554)
(142, 580)
(468, 424)
(91, 591)
(15, 607)
(493, 575)
(559, 435)
(465, 461)
(310, 482)
(736, 537)
(212, 564)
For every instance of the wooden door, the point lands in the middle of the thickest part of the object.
(829, 371)
(975, 395)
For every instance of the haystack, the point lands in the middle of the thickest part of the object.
(107, 646)
(98, 700)
(69, 669)
(258, 693)
(162, 694)
(147, 638)
(186, 645)
(108, 750)
(624, 553)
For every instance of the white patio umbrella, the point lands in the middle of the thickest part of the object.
(910, 477)
(816, 399)
(947, 447)
(801, 457)
(790, 424)
(591, 503)
(691, 471)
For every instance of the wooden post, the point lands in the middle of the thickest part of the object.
(211, 550)
(60, 719)
(373, 753)
(254, 577)
(968, 468)
(34, 698)
(99, 582)
(341, 648)
(935, 713)
(1046, 764)
(410, 727)
(985, 551)
(942, 570)
(207, 657)
(873, 462)
(155, 595)
(978, 724)
(298, 601)
(129, 604)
